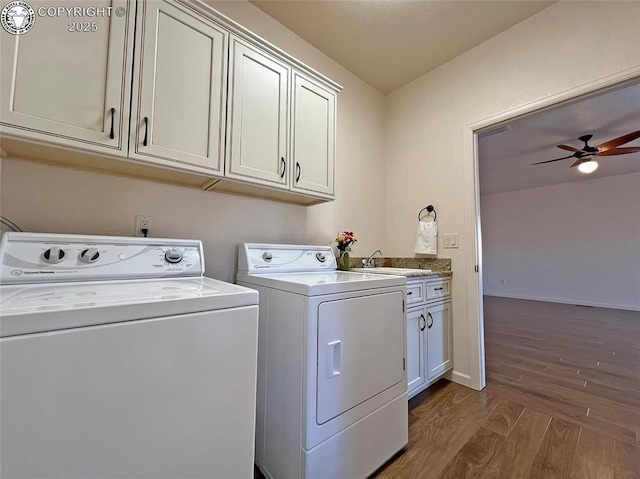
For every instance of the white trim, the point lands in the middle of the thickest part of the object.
(477, 378)
(472, 204)
(547, 102)
(625, 307)
(461, 378)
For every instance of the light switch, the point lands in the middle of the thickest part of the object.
(450, 240)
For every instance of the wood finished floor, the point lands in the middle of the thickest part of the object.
(576, 363)
(562, 401)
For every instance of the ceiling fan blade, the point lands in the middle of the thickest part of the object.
(551, 161)
(568, 148)
(619, 151)
(580, 160)
(618, 141)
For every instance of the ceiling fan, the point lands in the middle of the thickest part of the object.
(587, 153)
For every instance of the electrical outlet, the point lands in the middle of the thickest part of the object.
(144, 222)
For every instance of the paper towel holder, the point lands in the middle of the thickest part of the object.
(429, 209)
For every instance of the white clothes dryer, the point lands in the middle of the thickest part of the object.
(332, 388)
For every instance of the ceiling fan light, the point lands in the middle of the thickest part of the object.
(588, 166)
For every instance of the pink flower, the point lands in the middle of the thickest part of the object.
(345, 240)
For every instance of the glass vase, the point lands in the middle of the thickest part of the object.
(343, 260)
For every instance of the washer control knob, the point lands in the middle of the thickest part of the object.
(89, 255)
(54, 255)
(321, 257)
(267, 256)
(173, 256)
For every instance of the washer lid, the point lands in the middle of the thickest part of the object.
(48, 307)
(328, 282)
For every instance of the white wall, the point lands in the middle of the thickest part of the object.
(51, 199)
(576, 243)
(423, 160)
(41, 198)
(360, 186)
(427, 119)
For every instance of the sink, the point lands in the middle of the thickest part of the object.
(396, 271)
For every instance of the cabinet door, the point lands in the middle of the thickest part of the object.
(313, 137)
(416, 324)
(179, 89)
(67, 86)
(257, 129)
(438, 339)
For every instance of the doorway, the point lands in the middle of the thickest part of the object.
(558, 264)
(473, 247)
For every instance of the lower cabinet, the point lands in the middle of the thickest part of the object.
(438, 339)
(416, 344)
(429, 335)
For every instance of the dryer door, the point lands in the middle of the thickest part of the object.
(360, 351)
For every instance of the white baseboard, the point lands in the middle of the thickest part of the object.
(625, 307)
(460, 378)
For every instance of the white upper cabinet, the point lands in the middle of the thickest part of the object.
(258, 120)
(313, 137)
(272, 106)
(179, 89)
(67, 80)
(181, 92)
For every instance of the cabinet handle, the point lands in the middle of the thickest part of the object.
(431, 317)
(146, 130)
(409, 293)
(284, 167)
(299, 171)
(438, 289)
(113, 114)
(425, 322)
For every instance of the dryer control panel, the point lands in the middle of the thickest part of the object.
(259, 258)
(40, 258)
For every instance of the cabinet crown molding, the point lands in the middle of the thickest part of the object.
(233, 27)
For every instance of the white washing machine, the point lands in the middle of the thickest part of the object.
(120, 360)
(332, 387)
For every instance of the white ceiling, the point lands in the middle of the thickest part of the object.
(388, 43)
(505, 158)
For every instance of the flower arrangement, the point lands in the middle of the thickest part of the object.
(345, 240)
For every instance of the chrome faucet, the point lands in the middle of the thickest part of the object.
(369, 262)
